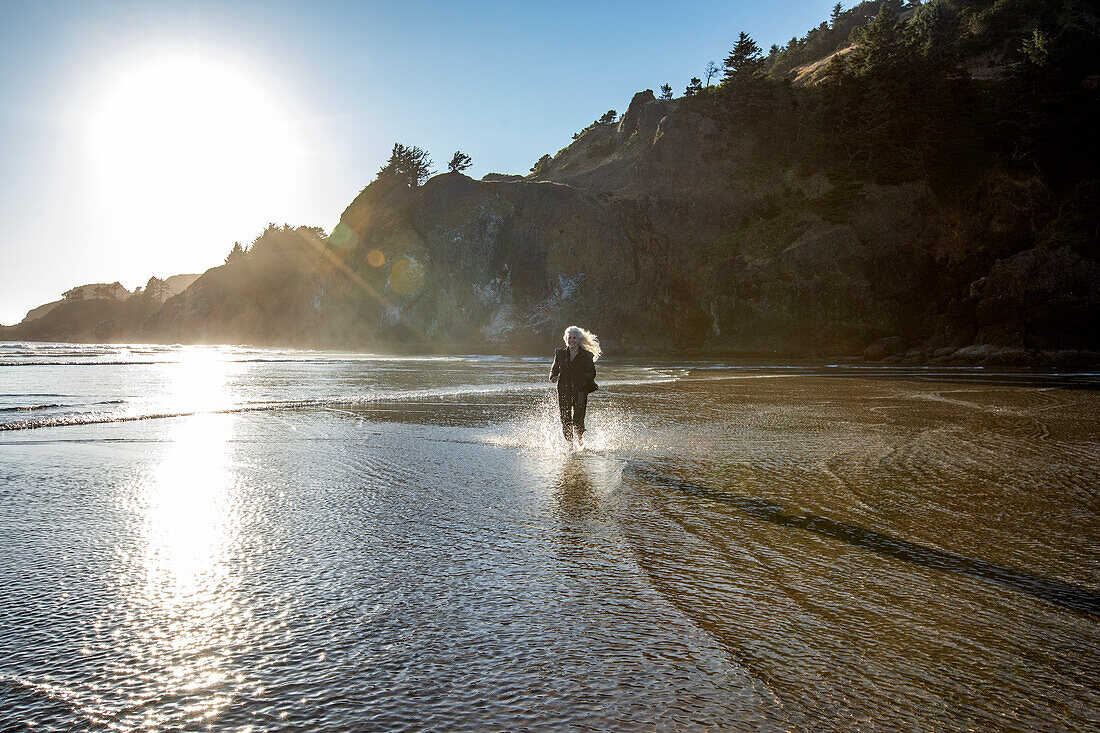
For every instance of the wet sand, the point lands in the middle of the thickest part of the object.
(771, 550)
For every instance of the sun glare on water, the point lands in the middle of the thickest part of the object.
(188, 144)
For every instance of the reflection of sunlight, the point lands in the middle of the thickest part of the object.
(190, 525)
(188, 508)
(181, 619)
(198, 382)
(189, 501)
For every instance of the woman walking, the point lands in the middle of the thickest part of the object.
(574, 371)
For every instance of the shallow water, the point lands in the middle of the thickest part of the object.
(240, 539)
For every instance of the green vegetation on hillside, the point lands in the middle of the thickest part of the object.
(899, 101)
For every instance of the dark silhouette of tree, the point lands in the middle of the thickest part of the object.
(710, 70)
(409, 165)
(608, 117)
(287, 247)
(106, 292)
(835, 16)
(743, 62)
(540, 164)
(236, 254)
(156, 289)
(459, 162)
(694, 87)
(72, 294)
(666, 91)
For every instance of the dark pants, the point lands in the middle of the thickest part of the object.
(572, 405)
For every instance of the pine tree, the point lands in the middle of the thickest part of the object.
(666, 91)
(541, 164)
(881, 48)
(459, 162)
(694, 87)
(156, 289)
(744, 61)
(237, 253)
(410, 165)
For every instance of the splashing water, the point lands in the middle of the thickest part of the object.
(537, 428)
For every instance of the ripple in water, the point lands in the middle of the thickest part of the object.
(420, 550)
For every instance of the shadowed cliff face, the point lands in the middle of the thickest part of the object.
(477, 263)
(631, 231)
(657, 231)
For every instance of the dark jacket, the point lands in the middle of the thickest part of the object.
(574, 375)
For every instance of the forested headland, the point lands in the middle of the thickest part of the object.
(915, 182)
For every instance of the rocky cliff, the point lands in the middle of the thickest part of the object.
(661, 232)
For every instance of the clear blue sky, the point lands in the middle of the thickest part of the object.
(144, 138)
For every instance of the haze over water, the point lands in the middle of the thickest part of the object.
(235, 538)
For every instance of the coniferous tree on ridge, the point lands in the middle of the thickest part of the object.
(237, 253)
(459, 162)
(743, 62)
(409, 165)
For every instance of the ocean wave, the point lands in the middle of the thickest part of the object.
(357, 359)
(383, 397)
(32, 408)
(80, 363)
(55, 405)
(40, 353)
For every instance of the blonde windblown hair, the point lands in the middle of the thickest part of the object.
(590, 342)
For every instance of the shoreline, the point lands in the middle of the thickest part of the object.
(974, 355)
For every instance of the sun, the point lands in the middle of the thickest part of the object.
(188, 145)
